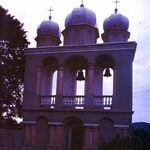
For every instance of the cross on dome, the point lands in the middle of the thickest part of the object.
(82, 5)
(50, 13)
(116, 2)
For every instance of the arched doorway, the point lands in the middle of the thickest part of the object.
(73, 130)
(41, 134)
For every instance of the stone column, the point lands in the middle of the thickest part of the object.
(90, 79)
(98, 81)
(90, 86)
(60, 82)
(38, 81)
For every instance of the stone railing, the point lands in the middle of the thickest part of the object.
(77, 102)
(48, 101)
(104, 101)
(74, 101)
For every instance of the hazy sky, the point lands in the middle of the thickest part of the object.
(33, 12)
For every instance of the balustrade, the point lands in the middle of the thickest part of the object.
(48, 100)
(78, 102)
(74, 101)
(103, 101)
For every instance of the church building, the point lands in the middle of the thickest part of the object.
(66, 105)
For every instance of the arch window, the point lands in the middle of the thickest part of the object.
(105, 63)
(80, 84)
(108, 81)
(49, 82)
(54, 82)
(49, 77)
(74, 76)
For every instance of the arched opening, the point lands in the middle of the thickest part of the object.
(73, 135)
(76, 132)
(105, 75)
(54, 82)
(49, 76)
(41, 134)
(80, 84)
(108, 82)
(74, 78)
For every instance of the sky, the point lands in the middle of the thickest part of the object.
(33, 12)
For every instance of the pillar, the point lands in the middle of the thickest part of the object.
(90, 79)
(89, 86)
(60, 82)
(38, 81)
(98, 81)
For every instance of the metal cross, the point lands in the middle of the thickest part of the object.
(116, 1)
(81, 2)
(50, 12)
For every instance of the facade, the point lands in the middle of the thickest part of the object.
(55, 115)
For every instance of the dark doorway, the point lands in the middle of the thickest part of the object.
(76, 137)
(42, 134)
(73, 135)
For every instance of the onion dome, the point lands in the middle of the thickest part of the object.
(80, 16)
(49, 27)
(116, 28)
(116, 21)
(80, 27)
(48, 33)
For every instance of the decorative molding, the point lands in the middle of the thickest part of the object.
(29, 122)
(91, 125)
(121, 126)
(55, 123)
(78, 49)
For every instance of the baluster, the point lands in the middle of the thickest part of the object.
(104, 101)
(52, 100)
(79, 101)
(109, 100)
(83, 100)
(45, 100)
(42, 101)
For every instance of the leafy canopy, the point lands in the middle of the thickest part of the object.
(12, 43)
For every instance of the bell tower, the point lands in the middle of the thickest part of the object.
(65, 106)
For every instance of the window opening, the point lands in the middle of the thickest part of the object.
(108, 81)
(54, 82)
(80, 85)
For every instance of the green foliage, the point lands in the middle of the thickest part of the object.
(12, 43)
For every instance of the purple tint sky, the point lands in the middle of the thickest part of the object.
(32, 12)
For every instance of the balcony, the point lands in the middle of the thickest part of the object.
(76, 102)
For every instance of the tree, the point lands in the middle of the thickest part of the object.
(12, 43)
